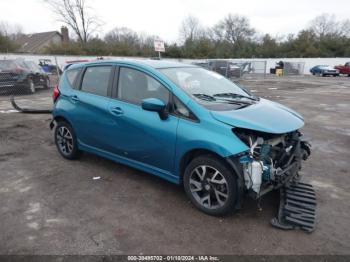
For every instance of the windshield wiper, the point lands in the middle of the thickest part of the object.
(234, 95)
(215, 99)
(205, 97)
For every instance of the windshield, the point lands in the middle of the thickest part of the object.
(201, 81)
(209, 88)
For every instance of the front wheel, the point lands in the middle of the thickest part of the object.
(211, 185)
(66, 140)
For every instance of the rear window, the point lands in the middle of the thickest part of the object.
(96, 80)
(33, 66)
(7, 65)
(72, 76)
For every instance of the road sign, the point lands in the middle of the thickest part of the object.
(159, 45)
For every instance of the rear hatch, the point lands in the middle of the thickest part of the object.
(10, 73)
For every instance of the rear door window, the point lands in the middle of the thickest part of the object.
(96, 80)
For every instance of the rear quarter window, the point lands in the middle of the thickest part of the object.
(72, 77)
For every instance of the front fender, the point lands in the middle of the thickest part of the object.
(214, 137)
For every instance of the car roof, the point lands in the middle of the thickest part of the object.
(156, 64)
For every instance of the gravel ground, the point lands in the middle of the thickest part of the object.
(49, 205)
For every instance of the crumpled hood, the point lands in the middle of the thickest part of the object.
(265, 116)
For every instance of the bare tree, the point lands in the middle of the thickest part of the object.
(75, 14)
(12, 31)
(147, 40)
(345, 28)
(122, 35)
(233, 28)
(190, 29)
(325, 24)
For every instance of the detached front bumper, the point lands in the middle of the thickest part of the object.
(297, 208)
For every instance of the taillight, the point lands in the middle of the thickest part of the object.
(56, 93)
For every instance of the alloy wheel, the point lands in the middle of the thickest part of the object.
(209, 187)
(64, 140)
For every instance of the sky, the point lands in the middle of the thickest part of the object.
(163, 17)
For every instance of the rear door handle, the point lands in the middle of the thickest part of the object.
(75, 98)
(116, 111)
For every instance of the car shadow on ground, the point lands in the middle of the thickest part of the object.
(111, 171)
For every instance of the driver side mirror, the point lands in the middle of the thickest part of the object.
(155, 105)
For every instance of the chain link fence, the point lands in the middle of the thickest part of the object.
(293, 68)
(235, 69)
(29, 81)
(27, 84)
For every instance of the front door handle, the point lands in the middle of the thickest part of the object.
(116, 111)
(74, 98)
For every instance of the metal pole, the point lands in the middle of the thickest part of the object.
(160, 57)
(57, 69)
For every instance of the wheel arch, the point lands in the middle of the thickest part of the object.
(193, 153)
(60, 118)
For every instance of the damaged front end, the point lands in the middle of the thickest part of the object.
(273, 162)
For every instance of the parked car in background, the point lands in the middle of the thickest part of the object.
(324, 70)
(344, 69)
(223, 67)
(202, 64)
(19, 77)
(183, 123)
(49, 67)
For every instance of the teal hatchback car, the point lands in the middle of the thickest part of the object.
(183, 123)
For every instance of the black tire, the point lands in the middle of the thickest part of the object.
(66, 143)
(230, 188)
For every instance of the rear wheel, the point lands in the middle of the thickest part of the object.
(211, 185)
(66, 140)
